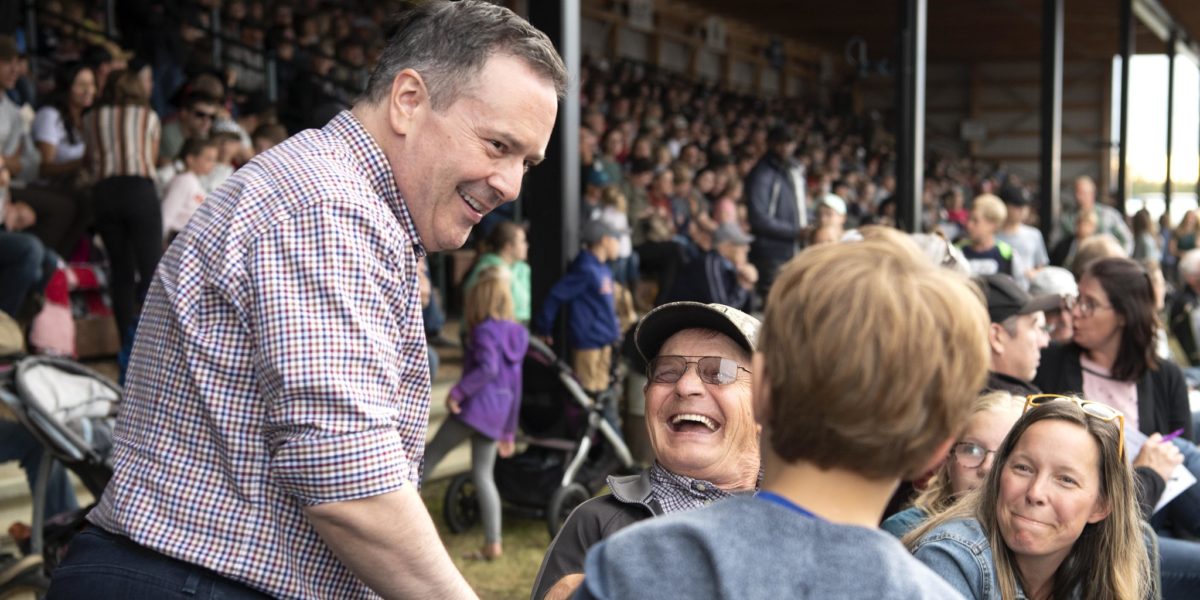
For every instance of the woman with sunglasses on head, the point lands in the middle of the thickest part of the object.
(1055, 518)
(1112, 360)
(968, 463)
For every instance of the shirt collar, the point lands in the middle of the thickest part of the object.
(369, 154)
(675, 491)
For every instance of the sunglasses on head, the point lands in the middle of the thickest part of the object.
(711, 369)
(1103, 412)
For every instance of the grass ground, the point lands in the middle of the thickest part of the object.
(509, 577)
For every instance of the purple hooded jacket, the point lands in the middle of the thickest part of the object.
(490, 389)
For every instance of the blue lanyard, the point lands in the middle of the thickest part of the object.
(784, 502)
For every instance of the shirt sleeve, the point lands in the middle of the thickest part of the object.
(334, 362)
(48, 127)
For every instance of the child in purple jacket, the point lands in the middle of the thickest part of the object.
(485, 403)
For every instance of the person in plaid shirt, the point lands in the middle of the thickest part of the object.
(273, 430)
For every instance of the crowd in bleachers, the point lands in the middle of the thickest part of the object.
(689, 192)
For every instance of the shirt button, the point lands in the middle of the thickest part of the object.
(700, 487)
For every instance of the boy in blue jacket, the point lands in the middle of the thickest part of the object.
(587, 288)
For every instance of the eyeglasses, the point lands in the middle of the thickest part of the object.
(1103, 412)
(1087, 306)
(969, 455)
(711, 369)
(199, 114)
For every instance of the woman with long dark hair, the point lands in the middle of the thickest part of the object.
(1111, 359)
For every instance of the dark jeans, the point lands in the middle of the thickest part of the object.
(129, 219)
(103, 566)
(26, 266)
(1180, 568)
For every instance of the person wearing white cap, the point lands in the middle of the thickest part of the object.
(831, 213)
(1061, 283)
(722, 275)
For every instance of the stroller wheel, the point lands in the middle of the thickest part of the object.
(564, 500)
(461, 507)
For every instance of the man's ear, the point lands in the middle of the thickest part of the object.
(760, 389)
(995, 342)
(407, 98)
(940, 454)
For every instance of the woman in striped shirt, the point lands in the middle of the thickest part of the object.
(122, 138)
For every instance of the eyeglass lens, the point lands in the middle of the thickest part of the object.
(711, 369)
(970, 455)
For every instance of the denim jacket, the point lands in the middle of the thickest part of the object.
(960, 553)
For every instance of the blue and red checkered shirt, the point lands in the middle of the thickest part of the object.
(280, 362)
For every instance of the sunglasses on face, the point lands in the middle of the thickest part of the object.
(711, 369)
(1103, 412)
(199, 114)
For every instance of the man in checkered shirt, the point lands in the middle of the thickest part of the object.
(278, 395)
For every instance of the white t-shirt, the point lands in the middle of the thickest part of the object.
(184, 195)
(49, 128)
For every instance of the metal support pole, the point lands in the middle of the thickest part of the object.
(1050, 163)
(110, 19)
(910, 114)
(31, 38)
(1167, 186)
(272, 78)
(214, 28)
(1126, 35)
(552, 190)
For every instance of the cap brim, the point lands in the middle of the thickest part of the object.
(1046, 302)
(665, 321)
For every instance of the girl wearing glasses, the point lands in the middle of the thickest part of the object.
(1056, 517)
(968, 463)
(1111, 360)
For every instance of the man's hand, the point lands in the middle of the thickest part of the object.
(565, 587)
(747, 275)
(1162, 457)
(547, 340)
(19, 216)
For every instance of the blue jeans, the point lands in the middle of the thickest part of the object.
(1183, 513)
(25, 267)
(17, 444)
(1180, 568)
(103, 566)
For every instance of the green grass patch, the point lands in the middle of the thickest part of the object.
(509, 577)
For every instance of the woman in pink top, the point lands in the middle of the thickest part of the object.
(1111, 360)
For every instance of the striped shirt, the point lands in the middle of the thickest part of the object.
(279, 363)
(121, 140)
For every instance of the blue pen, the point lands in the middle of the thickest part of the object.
(1171, 436)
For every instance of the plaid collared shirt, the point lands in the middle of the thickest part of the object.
(676, 492)
(280, 362)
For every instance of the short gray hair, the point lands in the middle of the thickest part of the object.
(449, 42)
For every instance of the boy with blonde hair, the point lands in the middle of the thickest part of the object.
(869, 360)
(985, 254)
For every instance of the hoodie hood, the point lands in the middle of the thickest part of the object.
(512, 338)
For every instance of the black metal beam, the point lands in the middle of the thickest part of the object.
(552, 191)
(1167, 187)
(1126, 24)
(910, 114)
(1050, 165)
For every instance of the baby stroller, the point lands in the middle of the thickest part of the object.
(572, 448)
(70, 410)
